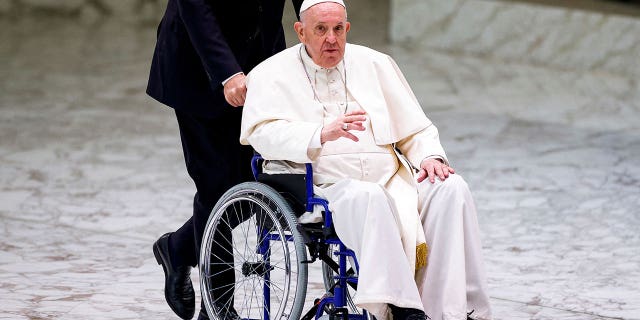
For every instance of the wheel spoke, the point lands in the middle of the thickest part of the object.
(257, 217)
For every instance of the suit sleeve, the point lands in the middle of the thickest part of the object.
(206, 36)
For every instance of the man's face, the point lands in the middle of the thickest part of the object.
(323, 30)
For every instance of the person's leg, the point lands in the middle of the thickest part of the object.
(365, 222)
(181, 245)
(455, 280)
(215, 161)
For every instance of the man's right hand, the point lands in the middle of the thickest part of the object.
(235, 90)
(342, 125)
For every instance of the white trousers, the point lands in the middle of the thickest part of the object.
(453, 281)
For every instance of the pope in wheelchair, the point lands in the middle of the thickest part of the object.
(377, 160)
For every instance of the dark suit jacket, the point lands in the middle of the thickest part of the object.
(203, 42)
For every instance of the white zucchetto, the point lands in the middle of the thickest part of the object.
(310, 3)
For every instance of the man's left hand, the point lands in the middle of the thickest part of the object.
(433, 167)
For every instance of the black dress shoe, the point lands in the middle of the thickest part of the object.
(203, 315)
(226, 311)
(223, 313)
(407, 313)
(178, 289)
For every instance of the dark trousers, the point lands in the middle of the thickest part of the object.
(215, 161)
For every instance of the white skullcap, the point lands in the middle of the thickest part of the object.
(310, 3)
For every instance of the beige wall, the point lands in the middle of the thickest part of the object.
(87, 10)
(560, 37)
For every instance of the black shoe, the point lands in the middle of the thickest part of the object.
(407, 313)
(203, 315)
(178, 289)
(224, 314)
(231, 315)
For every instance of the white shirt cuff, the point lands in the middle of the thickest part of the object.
(315, 139)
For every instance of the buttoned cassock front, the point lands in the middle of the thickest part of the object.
(281, 117)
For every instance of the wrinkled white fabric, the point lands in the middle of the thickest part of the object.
(364, 219)
(371, 192)
(454, 281)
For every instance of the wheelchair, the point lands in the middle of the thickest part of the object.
(254, 246)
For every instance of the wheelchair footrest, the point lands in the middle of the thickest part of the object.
(339, 314)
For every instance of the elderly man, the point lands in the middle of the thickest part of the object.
(378, 160)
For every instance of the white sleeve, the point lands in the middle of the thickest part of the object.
(422, 145)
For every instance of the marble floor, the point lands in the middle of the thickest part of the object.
(91, 173)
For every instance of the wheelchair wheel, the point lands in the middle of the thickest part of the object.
(328, 276)
(251, 257)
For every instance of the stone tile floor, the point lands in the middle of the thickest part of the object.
(92, 173)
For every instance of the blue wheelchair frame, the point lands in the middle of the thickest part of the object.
(343, 279)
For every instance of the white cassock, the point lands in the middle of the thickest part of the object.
(379, 210)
